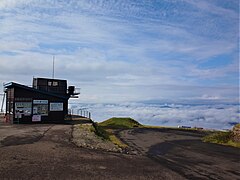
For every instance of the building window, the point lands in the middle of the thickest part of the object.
(52, 83)
(55, 83)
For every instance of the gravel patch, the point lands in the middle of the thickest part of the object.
(84, 136)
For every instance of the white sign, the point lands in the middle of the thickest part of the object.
(40, 101)
(40, 109)
(56, 106)
(36, 118)
(23, 108)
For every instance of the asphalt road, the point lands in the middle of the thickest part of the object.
(45, 151)
(183, 152)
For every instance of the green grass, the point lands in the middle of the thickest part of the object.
(115, 139)
(108, 134)
(106, 129)
(100, 131)
(223, 138)
(120, 123)
(237, 125)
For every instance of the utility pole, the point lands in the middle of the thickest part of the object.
(53, 67)
(2, 102)
(3, 98)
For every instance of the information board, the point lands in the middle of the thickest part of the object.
(56, 106)
(36, 118)
(40, 107)
(23, 108)
(40, 101)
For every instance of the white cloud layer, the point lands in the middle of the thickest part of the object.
(207, 116)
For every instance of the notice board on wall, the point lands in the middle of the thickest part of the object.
(24, 108)
(56, 106)
(40, 107)
(36, 118)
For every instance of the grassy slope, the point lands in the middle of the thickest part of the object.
(224, 138)
(106, 128)
(120, 123)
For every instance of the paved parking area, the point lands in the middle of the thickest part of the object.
(46, 151)
(182, 151)
(43, 151)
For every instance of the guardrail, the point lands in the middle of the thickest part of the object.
(81, 112)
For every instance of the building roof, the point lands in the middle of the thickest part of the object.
(13, 84)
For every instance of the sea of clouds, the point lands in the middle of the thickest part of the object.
(221, 116)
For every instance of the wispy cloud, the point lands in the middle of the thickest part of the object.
(9, 4)
(118, 50)
(212, 8)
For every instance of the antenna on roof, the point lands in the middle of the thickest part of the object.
(53, 67)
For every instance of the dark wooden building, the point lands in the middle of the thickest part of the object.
(45, 101)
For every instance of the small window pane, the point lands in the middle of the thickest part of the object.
(55, 83)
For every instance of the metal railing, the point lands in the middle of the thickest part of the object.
(80, 112)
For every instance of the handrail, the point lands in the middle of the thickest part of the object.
(81, 112)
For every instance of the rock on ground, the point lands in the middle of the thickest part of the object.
(84, 136)
(236, 133)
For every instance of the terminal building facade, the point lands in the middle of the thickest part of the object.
(46, 101)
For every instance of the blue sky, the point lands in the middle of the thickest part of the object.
(119, 50)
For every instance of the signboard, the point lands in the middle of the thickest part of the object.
(23, 108)
(40, 101)
(56, 106)
(36, 118)
(40, 107)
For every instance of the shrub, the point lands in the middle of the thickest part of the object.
(218, 137)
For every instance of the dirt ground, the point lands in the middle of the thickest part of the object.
(45, 151)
